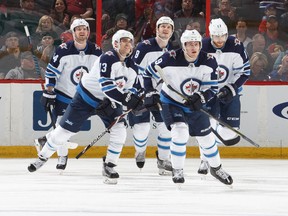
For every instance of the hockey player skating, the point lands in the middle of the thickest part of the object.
(234, 71)
(192, 77)
(63, 73)
(102, 91)
(146, 52)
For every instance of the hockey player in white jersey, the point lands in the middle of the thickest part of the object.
(190, 81)
(146, 52)
(63, 73)
(104, 90)
(234, 71)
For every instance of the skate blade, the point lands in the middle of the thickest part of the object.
(164, 172)
(71, 145)
(109, 181)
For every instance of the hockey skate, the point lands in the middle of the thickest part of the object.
(110, 175)
(221, 175)
(62, 162)
(203, 168)
(164, 166)
(37, 164)
(39, 143)
(140, 159)
(178, 176)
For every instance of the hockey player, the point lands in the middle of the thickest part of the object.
(234, 67)
(146, 52)
(63, 73)
(104, 90)
(190, 81)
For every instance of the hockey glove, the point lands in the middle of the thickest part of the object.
(152, 100)
(105, 108)
(48, 99)
(132, 101)
(195, 101)
(227, 93)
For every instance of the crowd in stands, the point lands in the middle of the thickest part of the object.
(262, 26)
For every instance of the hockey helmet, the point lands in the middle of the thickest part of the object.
(79, 22)
(166, 20)
(218, 27)
(190, 35)
(118, 36)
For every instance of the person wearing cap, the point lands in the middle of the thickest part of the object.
(121, 22)
(270, 10)
(27, 69)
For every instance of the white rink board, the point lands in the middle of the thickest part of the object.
(258, 122)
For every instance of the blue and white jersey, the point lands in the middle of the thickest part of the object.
(147, 52)
(185, 77)
(232, 59)
(109, 77)
(67, 67)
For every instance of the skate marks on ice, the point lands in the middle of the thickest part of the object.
(260, 188)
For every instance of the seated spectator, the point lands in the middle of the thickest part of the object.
(83, 8)
(120, 23)
(278, 61)
(259, 64)
(281, 74)
(241, 32)
(60, 15)
(10, 53)
(269, 10)
(284, 18)
(26, 70)
(66, 36)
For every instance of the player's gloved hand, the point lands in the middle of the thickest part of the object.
(227, 92)
(152, 100)
(48, 99)
(105, 108)
(195, 101)
(132, 101)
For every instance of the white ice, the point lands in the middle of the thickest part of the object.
(260, 189)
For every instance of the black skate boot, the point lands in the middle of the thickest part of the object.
(178, 176)
(203, 168)
(62, 162)
(164, 166)
(140, 159)
(37, 164)
(110, 175)
(221, 175)
(39, 143)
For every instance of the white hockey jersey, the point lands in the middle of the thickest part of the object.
(67, 67)
(109, 77)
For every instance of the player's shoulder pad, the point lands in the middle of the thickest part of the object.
(94, 48)
(109, 57)
(234, 44)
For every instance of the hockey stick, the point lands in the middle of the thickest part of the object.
(161, 73)
(117, 119)
(37, 68)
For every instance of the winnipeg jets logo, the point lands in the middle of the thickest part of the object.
(146, 42)
(77, 74)
(223, 73)
(237, 42)
(97, 47)
(63, 46)
(209, 56)
(281, 110)
(172, 53)
(189, 86)
(109, 53)
(120, 82)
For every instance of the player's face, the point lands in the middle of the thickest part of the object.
(81, 33)
(126, 46)
(219, 41)
(192, 49)
(165, 31)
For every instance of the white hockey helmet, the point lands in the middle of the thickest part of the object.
(79, 22)
(166, 20)
(190, 35)
(218, 27)
(117, 38)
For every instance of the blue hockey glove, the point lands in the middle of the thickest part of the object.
(132, 101)
(48, 99)
(227, 93)
(152, 100)
(195, 101)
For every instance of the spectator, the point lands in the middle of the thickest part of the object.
(27, 69)
(10, 53)
(259, 64)
(83, 8)
(60, 15)
(281, 74)
(120, 23)
(241, 32)
(269, 10)
(278, 61)
(284, 18)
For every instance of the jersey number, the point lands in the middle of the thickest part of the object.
(103, 67)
